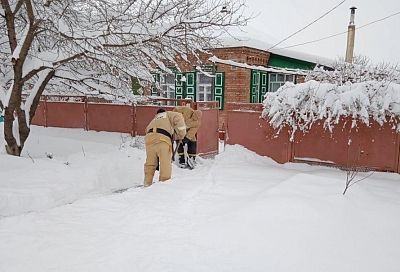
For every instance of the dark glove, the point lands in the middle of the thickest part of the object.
(185, 140)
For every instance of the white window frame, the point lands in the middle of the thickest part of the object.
(204, 88)
(167, 88)
(273, 80)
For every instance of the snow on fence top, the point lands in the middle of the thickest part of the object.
(300, 105)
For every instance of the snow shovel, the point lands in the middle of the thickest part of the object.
(191, 164)
(176, 149)
(190, 161)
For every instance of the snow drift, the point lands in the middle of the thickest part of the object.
(238, 212)
(300, 105)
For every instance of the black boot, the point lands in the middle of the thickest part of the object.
(182, 161)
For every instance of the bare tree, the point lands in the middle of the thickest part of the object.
(86, 45)
(353, 168)
(351, 176)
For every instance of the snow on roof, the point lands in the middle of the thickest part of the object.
(261, 45)
(257, 67)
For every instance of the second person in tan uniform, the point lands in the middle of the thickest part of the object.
(193, 122)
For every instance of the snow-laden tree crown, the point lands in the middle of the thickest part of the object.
(97, 46)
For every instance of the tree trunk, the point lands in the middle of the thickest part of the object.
(14, 107)
(23, 127)
(12, 147)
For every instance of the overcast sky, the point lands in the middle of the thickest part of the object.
(278, 19)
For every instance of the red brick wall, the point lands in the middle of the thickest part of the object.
(300, 79)
(237, 80)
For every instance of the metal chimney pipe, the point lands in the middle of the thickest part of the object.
(351, 31)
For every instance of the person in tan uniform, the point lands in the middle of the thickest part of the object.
(193, 121)
(158, 140)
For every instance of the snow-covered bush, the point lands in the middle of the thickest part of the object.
(299, 106)
(359, 71)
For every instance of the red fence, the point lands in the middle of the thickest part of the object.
(110, 117)
(376, 147)
(69, 115)
(207, 136)
(131, 119)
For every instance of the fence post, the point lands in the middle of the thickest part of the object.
(226, 135)
(133, 121)
(45, 111)
(291, 147)
(85, 112)
(398, 152)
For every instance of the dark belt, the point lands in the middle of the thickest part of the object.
(161, 131)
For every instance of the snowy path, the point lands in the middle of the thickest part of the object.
(239, 212)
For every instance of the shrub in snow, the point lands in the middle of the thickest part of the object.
(359, 71)
(299, 106)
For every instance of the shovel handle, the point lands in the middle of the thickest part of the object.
(176, 149)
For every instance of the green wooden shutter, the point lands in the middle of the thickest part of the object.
(154, 87)
(255, 86)
(263, 86)
(191, 85)
(219, 89)
(179, 86)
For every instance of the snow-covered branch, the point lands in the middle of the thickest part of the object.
(46, 43)
(34, 96)
(18, 6)
(299, 106)
(360, 71)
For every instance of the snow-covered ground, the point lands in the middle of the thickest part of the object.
(238, 212)
(82, 164)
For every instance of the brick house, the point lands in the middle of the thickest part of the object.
(234, 73)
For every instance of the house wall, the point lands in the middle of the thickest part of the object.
(238, 80)
(300, 79)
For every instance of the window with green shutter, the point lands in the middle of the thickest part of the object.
(219, 89)
(167, 85)
(154, 87)
(258, 86)
(204, 88)
(179, 86)
(190, 86)
(264, 86)
(255, 86)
